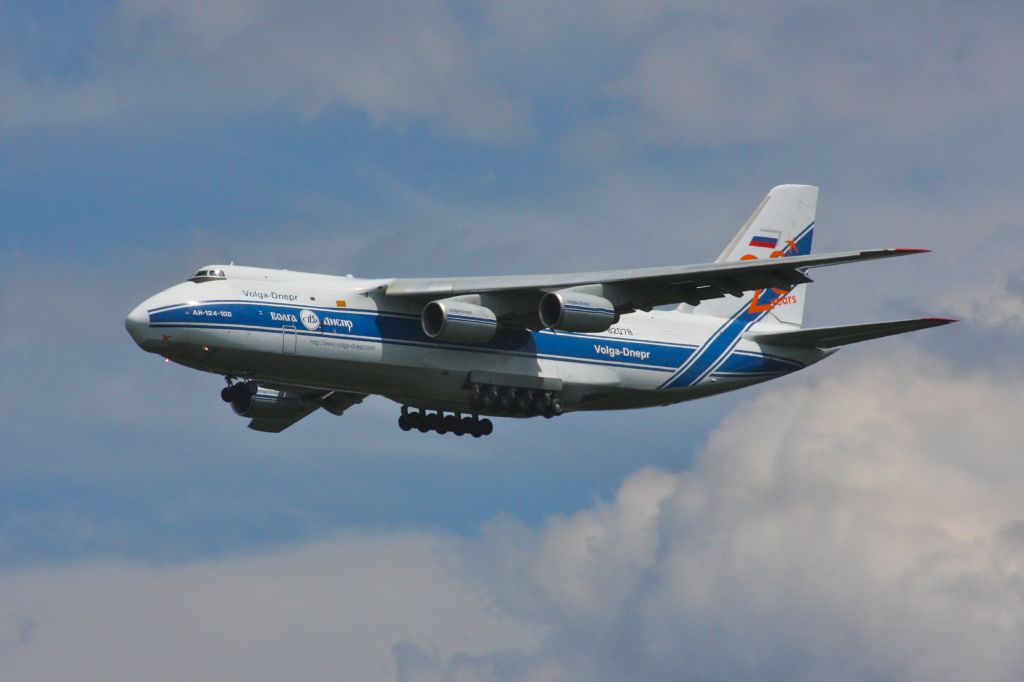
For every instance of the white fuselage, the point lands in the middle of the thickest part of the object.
(344, 334)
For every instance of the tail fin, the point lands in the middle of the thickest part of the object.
(783, 225)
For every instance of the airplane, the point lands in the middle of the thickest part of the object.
(454, 351)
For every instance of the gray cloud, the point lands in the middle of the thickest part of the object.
(657, 72)
(400, 63)
(323, 612)
(394, 60)
(755, 72)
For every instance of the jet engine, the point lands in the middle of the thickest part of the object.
(450, 319)
(573, 311)
(249, 400)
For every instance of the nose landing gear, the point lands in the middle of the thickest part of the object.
(239, 391)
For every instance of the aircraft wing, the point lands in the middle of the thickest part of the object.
(335, 402)
(641, 288)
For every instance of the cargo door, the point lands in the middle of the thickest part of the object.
(289, 339)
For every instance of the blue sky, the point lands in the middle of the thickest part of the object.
(141, 139)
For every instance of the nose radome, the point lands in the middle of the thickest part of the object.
(137, 324)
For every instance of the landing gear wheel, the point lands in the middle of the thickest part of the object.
(441, 422)
(227, 394)
(524, 400)
(506, 399)
(556, 407)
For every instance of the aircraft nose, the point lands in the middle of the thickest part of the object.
(137, 324)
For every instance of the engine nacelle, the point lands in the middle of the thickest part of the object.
(573, 311)
(450, 319)
(266, 403)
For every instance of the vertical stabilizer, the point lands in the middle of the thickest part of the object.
(782, 225)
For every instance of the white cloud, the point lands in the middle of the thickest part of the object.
(994, 300)
(868, 525)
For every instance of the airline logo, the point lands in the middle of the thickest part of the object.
(309, 319)
(783, 296)
(338, 323)
(766, 239)
(621, 352)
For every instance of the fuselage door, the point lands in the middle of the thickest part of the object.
(289, 339)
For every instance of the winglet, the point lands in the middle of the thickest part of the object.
(911, 251)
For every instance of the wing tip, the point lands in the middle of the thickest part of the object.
(908, 251)
(940, 320)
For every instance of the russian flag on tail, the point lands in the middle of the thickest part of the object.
(766, 239)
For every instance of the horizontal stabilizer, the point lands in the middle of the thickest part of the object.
(830, 337)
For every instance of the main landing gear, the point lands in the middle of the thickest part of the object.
(513, 400)
(441, 423)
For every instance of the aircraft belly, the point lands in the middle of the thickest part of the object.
(412, 375)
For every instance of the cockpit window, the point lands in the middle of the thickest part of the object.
(207, 276)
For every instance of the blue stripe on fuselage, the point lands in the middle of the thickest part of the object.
(406, 329)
